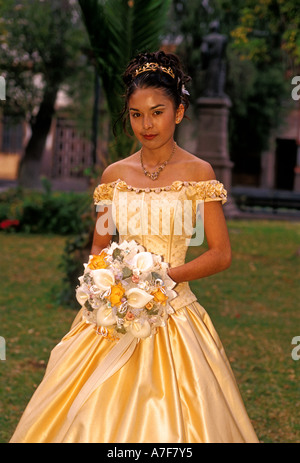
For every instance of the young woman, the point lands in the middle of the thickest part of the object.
(177, 385)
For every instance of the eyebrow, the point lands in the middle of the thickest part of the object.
(153, 107)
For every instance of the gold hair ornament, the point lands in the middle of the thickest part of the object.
(153, 67)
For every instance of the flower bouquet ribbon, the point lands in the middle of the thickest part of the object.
(124, 293)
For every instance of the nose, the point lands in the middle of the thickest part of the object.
(147, 122)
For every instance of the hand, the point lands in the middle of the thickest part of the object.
(170, 272)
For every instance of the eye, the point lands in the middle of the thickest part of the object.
(157, 112)
(135, 115)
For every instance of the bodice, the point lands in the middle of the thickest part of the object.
(165, 220)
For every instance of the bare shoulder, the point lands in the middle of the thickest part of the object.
(199, 169)
(113, 172)
(205, 171)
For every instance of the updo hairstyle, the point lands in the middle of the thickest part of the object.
(168, 75)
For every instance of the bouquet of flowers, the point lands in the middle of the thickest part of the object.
(126, 289)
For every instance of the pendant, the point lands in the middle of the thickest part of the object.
(154, 175)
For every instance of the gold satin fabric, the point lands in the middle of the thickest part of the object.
(177, 387)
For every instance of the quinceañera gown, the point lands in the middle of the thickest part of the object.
(175, 386)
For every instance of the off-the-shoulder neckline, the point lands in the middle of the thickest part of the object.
(177, 183)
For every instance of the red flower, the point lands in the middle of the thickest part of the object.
(9, 223)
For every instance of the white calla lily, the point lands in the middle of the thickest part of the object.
(140, 330)
(105, 317)
(103, 278)
(81, 295)
(143, 261)
(137, 298)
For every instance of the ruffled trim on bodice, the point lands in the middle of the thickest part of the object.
(207, 190)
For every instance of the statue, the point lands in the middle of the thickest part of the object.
(213, 56)
(213, 112)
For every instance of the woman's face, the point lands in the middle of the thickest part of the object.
(153, 116)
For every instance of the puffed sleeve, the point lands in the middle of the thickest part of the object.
(103, 193)
(210, 190)
(215, 191)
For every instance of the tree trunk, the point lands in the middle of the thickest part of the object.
(29, 171)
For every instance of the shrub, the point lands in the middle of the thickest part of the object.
(47, 212)
(63, 213)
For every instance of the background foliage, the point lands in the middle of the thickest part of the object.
(41, 48)
(46, 211)
(114, 41)
(263, 51)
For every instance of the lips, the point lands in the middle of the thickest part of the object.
(149, 136)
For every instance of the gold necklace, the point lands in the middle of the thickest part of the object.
(154, 175)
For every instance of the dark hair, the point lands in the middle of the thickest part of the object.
(174, 87)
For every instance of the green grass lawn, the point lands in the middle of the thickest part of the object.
(31, 322)
(254, 306)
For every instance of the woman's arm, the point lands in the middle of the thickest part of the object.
(101, 238)
(217, 257)
(104, 223)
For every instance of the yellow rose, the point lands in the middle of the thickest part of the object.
(117, 292)
(102, 192)
(106, 333)
(159, 296)
(121, 185)
(149, 306)
(98, 261)
(191, 192)
(197, 191)
(177, 185)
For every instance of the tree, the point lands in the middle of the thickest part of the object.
(268, 30)
(264, 42)
(41, 46)
(118, 30)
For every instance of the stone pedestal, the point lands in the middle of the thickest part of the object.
(297, 179)
(297, 172)
(267, 173)
(212, 142)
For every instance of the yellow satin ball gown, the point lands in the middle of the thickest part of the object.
(176, 386)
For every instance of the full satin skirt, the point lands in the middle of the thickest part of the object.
(177, 387)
